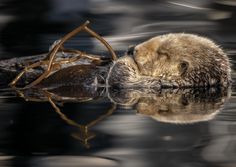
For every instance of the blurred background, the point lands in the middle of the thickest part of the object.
(31, 134)
(28, 27)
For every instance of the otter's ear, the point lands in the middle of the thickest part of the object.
(130, 50)
(183, 66)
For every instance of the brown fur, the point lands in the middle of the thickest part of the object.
(172, 60)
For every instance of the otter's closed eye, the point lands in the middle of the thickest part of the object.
(183, 66)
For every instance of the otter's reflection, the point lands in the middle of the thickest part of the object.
(173, 106)
(166, 105)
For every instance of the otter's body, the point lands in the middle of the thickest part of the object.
(172, 60)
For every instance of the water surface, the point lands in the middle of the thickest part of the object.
(97, 133)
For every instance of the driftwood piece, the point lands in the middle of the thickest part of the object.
(10, 68)
(40, 68)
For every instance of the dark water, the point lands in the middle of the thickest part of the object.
(98, 133)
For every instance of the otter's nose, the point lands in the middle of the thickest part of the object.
(130, 50)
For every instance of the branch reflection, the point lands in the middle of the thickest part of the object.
(83, 134)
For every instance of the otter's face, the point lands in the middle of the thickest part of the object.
(154, 60)
(175, 60)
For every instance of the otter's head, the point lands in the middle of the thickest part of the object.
(172, 60)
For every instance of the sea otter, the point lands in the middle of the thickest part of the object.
(172, 60)
(167, 61)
